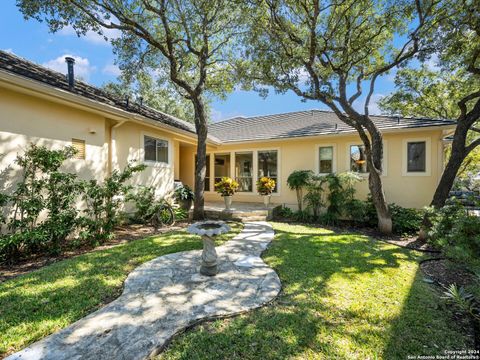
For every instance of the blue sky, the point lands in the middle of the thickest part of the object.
(95, 64)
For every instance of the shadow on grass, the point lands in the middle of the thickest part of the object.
(41, 302)
(344, 296)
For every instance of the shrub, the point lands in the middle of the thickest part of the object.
(404, 220)
(184, 193)
(282, 212)
(456, 232)
(298, 180)
(42, 189)
(265, 185)
(103, 203)
(226, 186)
(315, 197)
(143, 198)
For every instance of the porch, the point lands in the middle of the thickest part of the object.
(239, 211)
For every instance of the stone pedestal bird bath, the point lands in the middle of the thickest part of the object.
(208, 230)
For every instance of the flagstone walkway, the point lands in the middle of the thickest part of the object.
(163, 297)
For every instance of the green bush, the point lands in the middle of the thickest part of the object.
(282, 212)
(143, 198)
(103, 204)
(46, 192)
(404, 220)
(455, 232)
(42, 188)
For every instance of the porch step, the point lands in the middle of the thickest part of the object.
(253, 218)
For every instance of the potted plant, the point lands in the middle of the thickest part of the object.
(226, 187)
(265, 187)
(184, 196)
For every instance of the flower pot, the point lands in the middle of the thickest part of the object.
(266, 200)
(228, 202)
(186, 204)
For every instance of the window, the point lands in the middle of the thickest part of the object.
(79, 145)
(222, 166)
(416, 156)
(244, 171)
(207, 173)
(325, 155)
(358, 159)
(156, 150)
(268, 165)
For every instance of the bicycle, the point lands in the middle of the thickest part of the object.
(162, 214)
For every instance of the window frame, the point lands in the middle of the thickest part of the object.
(366, 174)
(277, 184)
(428, 156)
(255, 168)
(317, 158)
(156, 163)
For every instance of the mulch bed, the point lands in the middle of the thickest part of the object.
(444, 272)
(123, 234)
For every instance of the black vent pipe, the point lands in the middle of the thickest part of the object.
(70, 76)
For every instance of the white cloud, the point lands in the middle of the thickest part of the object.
(217, 115)
(112, 69)
(83, 69)
(92, 36)
(9, 50)
(373, 108)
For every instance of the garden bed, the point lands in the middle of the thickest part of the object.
(123, 234)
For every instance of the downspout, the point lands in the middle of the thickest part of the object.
(113, 158)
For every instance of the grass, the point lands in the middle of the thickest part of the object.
(37, 304)
(344, 296)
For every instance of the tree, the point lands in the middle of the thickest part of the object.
(331, 51)
(154, 92)
(457, 45)
(191, 40)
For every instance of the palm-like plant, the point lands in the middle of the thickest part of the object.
(297, 180)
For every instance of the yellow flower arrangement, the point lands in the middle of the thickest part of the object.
(265, 185)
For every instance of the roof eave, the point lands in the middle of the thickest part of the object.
(39, 89)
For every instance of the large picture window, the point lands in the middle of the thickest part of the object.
(222, 166)
(416, 156)
(358, 159)
(325, 156)
(244, 171)
(268, 165)
(156, 150)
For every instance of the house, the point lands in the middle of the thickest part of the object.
(45, 107)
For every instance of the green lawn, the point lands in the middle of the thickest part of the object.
(344, 296)
(44, 301)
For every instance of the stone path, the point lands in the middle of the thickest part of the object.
(163, 297)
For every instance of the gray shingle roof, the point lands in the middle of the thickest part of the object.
(19, 66)
(305, 123)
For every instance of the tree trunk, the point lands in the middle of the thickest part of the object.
(378, 197)
(200, 166)
(457, 155)
(299, 198)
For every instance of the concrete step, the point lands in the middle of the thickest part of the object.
(253, 218)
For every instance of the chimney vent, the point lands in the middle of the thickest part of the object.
(70, 76)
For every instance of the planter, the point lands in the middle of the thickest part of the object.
(208, 230)
(266, 200)
(185, 204)
(228, 202)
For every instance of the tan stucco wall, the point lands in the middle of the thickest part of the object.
(128, 139)
(300, 154)
(25, 119)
